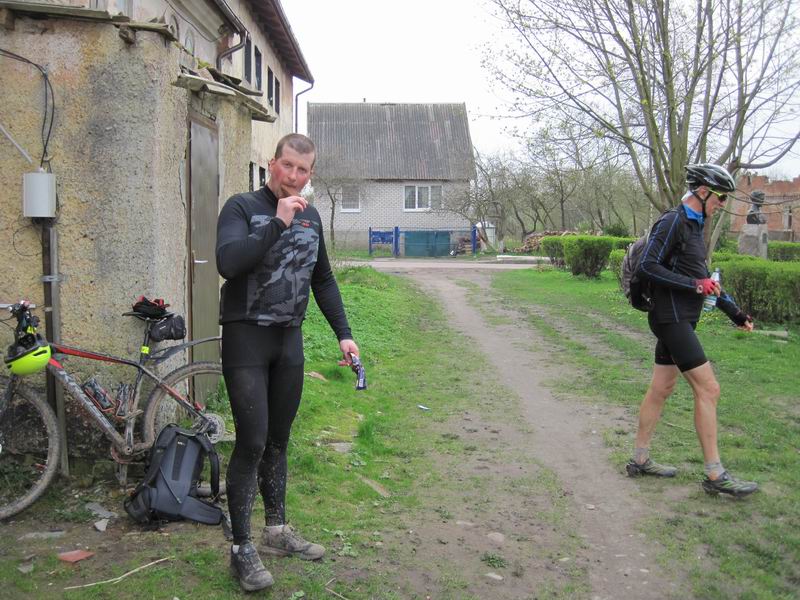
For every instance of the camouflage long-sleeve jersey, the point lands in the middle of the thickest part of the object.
(270, 269)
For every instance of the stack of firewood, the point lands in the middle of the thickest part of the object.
(532, 242)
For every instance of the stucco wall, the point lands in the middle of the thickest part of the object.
(382, 207)
(118, 149)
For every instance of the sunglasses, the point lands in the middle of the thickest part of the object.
(721, 196)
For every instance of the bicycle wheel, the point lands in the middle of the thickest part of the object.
(199, 383)
(30, 442)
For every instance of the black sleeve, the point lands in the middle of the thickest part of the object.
(238, 250)
(663, 241)
(326, 293)
(727, 305)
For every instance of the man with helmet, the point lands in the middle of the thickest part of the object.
(674, 262)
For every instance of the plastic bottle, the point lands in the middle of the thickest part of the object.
(711, 300)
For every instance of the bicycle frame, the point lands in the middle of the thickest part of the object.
(123, 444)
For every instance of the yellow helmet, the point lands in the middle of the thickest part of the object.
(27, 361)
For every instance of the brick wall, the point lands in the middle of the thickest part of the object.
(781, 206)
(382, 207)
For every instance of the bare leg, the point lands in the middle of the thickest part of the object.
(706, 394)
(661, 387)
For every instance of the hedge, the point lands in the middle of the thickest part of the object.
(621, 243)
(768, 290)
(783, 251)
(615, 264)
(553, 245)
(587, 254)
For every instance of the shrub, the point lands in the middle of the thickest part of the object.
(719, 257)
(587, 254)
(783, 251)
(770, 291)
(617, 230)
(615, 263)
(621, 243)
(554, 248)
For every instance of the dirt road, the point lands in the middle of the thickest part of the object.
(567, 521)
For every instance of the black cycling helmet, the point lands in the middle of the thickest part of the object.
(712, 176)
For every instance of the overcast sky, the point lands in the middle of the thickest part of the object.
(411, 51)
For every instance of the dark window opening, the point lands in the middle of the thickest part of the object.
(270, 87)
(248, 60)
(258, 68)
(262, 177)
(252, 175)
(277, 96)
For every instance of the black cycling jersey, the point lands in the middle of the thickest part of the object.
(673, 260)
(270, 268)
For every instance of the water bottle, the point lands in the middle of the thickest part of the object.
(711, 300)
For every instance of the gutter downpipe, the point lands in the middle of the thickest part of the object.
(240, 29)
(296, 97)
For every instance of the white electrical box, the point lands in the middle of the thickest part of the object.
(39, 194)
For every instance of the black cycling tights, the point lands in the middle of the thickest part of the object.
(263, 368)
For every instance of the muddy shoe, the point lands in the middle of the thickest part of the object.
(282, 540)
(247, 567)
(725, 484)
(649, 467)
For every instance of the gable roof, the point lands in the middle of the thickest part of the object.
(270, 17)
(363, 140)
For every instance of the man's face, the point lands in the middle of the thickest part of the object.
(289, 173)
(715, 201)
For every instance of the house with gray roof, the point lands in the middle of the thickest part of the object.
(383, 165)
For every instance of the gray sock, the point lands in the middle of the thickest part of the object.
(640, 455)
(714, 468)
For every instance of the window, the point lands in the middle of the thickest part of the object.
(277, 96)
(350, 199)
(252, 175)
(262, 177)
(422, 197)
(248, 59)
(787, 217)
(258, 68)
(270, 87)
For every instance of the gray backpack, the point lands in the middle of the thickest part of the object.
(169, 489)
(638, 292)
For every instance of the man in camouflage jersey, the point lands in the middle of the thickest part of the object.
(271, 252)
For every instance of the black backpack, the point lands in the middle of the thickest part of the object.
(169, 489)
(640, 293)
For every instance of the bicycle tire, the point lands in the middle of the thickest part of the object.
(159, 413)
(41, 435)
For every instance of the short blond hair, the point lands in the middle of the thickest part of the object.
(299, 143)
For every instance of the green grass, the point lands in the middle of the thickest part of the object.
(754, 544)
(410, 359)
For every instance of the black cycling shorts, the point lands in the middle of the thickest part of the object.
(677, 344)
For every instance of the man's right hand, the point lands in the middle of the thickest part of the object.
(707, 286)
(288, 207)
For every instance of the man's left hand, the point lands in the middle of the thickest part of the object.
(348, 346)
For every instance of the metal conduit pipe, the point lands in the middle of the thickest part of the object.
(296, 96)
(240, 29)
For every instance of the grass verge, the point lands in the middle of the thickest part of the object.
(753, 544)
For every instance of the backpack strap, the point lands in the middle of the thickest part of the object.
(213, 459)
(162, 442)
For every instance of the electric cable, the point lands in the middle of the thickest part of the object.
(47, 120)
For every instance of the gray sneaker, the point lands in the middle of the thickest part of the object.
(282, 540)
(649, 467)
(247, 567)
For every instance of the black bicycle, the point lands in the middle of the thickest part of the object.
(30, 439)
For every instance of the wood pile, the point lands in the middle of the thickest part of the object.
(532, 242)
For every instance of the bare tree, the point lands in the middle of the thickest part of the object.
(670, 82)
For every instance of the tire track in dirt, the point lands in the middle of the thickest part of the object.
(620, 561)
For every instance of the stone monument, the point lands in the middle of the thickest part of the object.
(754, 235)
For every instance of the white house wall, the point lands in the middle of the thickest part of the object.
(265, 135)
(382, 207)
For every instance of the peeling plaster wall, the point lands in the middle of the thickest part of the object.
(118, 150)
